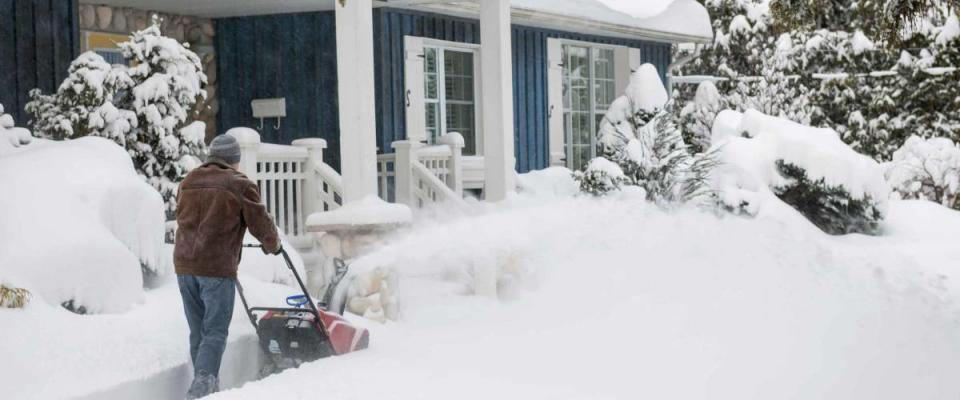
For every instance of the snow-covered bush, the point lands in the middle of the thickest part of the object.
(83, 104)
(830, 207)
(810, 169)
(927, 169)
(145, 107)
(80, 227)
(601, 177)
(640, 136)
(698, 116)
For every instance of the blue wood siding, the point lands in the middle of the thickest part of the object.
(38, 40)
(288, 55)
(529, 69)
(294, 56)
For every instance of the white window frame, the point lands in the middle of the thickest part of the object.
(626, 60)
(416, 96)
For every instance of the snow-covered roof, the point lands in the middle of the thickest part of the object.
(674, 20)
(667, 20)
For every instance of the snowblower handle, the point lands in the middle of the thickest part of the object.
(286, 258)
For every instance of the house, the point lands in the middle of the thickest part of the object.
(524, 82)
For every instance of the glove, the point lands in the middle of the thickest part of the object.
(268, 252)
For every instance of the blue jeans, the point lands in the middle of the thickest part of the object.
(208, 304)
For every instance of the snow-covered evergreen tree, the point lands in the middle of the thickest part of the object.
(641, 136)
(168, 82)
(83, 104)
(145, 107)
(927, 169)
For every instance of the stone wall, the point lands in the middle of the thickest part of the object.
(198, 32)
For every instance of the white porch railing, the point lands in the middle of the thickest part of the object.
(418, 175)
(293, 180)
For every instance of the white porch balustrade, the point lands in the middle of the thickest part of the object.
(294, 182)
(420, 176)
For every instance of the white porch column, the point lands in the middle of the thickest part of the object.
(358, 132)
(497, 79)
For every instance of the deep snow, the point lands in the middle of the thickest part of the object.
(613, 299)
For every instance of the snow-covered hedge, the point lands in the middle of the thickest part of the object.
(927, 169)
(810, 169)
(78, 225)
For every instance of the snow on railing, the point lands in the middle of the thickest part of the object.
(418, 175)
(293, 180)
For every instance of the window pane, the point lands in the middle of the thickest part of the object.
(603, 63)
(433, 121)
(460, 118)
(430, 74)
(458, 75)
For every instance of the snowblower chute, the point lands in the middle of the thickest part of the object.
(307, 331)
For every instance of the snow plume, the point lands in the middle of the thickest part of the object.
(659, 304)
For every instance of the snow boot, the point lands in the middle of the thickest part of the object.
(204, 384)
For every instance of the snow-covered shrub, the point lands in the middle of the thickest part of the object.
(698, 116)
(831, 208)
(83, 104)
(79, 224)
(927, 169)
(601, 177)
(810, 169)
(640, 136)
(145, 107)
(11, 297)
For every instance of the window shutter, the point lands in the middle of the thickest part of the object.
(635, 59)
(413, 83)
(555, 111)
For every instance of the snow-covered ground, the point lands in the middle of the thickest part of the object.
(612, 299)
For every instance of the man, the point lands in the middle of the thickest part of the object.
(216, 205)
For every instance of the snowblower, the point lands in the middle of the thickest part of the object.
(306, 331)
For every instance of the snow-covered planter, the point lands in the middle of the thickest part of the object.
(79, 226)
(810, 169)
(927, 169)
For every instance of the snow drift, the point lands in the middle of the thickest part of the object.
(79, 224)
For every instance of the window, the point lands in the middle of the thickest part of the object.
(450, 94)
(589, 86)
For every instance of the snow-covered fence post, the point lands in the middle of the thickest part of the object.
(249, 141)
(311, 184)
(403, 170)
(455, 174)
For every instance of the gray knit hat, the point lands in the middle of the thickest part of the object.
(225, 148)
